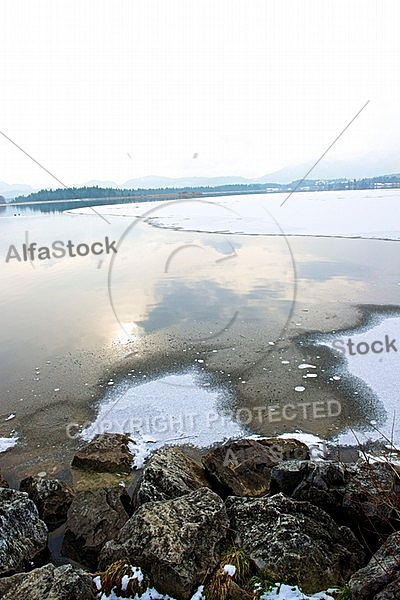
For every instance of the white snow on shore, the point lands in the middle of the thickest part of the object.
(360, 213)
(380, 370)
(289, 592)
(7, 443)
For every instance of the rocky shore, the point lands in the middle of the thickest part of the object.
(227, 524)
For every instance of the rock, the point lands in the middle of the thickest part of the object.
(52, 498)
(176, 541)
(22, 534)
(371, 501)
(286, 449)
(243, 467)
(286, 476)
(294, 542)
(235, 592)
(359, 496)
(94, 517)
(168, 474)
(380, 579)
(108, 452)
(49, 583)
(3, 482)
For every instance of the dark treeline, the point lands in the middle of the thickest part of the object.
(110, 195)
(97, 192)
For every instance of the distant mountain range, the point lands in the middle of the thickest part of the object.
(367, 166)
(16, 189)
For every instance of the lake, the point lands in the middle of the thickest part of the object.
(184, 296)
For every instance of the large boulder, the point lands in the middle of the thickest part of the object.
(360, 496)
(294, 542)
(177, 541)
(107, 452)
(322, 483)
(94, 517)
(48, 583)
(168, 474)
(243, 467)
(52, 498)
(22, 534)
(380, 579)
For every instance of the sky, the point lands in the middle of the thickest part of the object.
(115, 90)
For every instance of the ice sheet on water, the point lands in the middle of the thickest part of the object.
(364, 214)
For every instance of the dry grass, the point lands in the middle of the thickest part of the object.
(244, 583)
(218, 586)
(112, 580)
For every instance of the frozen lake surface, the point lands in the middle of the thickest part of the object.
(374, 357)
(353, 214)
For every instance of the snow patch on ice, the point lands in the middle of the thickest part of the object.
(379, 371)
(175, 409)
(7, 443)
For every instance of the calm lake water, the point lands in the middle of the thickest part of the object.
(168, 301)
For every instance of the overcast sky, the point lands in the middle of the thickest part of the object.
(119, 89)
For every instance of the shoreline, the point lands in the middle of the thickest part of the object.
(168, 503)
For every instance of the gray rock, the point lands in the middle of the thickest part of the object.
(108, 452)
(359, 496)
(177, 541)
(286, 476)
(168, 474)
(22, 534)
(321, 483)
(48, 583)
(94, 517)
(243, 467)
(294, 542)
(380, 579)
(52, 498)
(3, 482)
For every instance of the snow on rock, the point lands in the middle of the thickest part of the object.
(230, 570)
